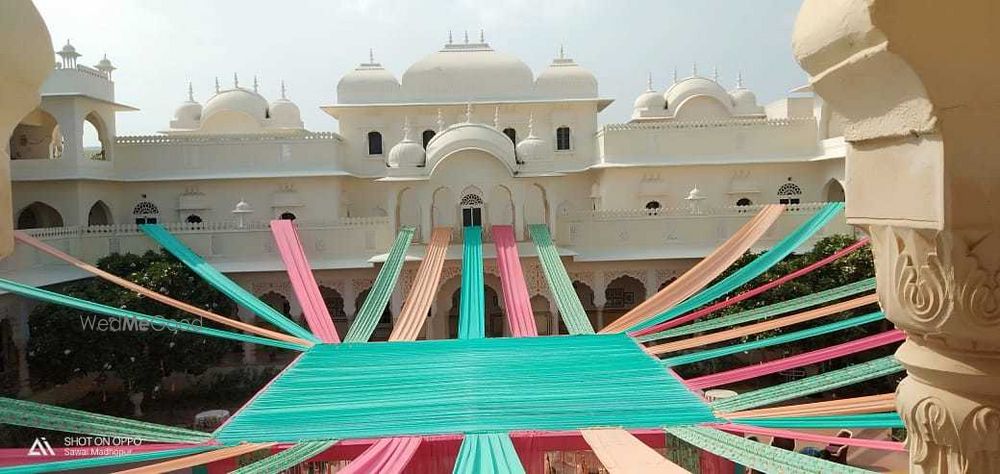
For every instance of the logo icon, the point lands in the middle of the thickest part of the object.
(41, 447)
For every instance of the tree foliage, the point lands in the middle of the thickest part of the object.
(66, 343)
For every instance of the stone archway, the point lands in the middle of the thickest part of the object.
(39, 215)
(99, 214)
(834, 191)
(621, 295)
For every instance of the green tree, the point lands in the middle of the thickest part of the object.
(66, 343)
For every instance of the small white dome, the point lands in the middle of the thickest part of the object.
(68, 48)
(368, 83)
(285, 114)
(694, 86)
(237, 100)
(463, 72)
(649, 104)
(407, 153)
(531, 148)
(188, 112)
(745, 102)
(566, 79)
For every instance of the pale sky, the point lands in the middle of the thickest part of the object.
(160, 45)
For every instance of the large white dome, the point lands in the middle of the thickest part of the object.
(236, 100)
(369, 83)
(566, 79)
(464, 72)
(694, 86)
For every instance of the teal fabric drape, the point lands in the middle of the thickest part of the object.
(103, 461)
(867, 420)
(752, 270)
(570, 308)
(154, 321)
(810, 385)
(487, 453)
(444, 386)
(472, 301)
(222, 283)
(756, 455)
(288, 458)
(378, 297)
(764, 312)
(37, 415)
(772, 341)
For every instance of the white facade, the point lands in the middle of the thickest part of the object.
(464, 127)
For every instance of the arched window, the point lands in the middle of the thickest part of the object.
(511, 134)
(94, 138)
(744, 202)
(38, 215)
(99, 214)
(145, 212)
(472, 210)
(428, 134)
(193, 219)
(288, 216)
(562, 138)
(789, 193)
(374, 143)
(652, 207)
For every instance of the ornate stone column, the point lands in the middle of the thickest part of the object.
(919, 86)
(22, 70)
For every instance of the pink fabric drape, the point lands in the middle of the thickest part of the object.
(303, 282)
(815, 438)
(751, 293)
(801, 360)
(386, 456)
(516, 300)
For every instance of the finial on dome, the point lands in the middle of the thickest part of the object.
(406, 129)
(236, 80)
(256, 84)
(449, 37)
(468, 112)
(466, 36)
(371, 55)
(715, 73)
(694, 69)
(190, 92)
(739, 80)
(283, 90)
(440, 121)
(649, 82)
(562, 52)
(218, 88)
(482, 36)
(675, 74)
(496, 118)
(531, 124)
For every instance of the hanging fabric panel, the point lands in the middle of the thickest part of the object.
(472, 301)
(303, 282)
(425, 286)
(622, 453)
(291, 457)
(222, 283)
(372, 309)
(570, 309)
(517, 302)
(487, 453)
(704, 271)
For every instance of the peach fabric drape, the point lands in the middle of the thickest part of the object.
(198, 459)
(622, 453)
(425, 285)
(762, 327)
(235, 324)
(703, 272)
(847, 406)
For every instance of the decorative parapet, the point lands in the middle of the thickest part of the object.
(735, 211)
(739, 122)
(213, 139)
(201, 227)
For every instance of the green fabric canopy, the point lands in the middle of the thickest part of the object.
(487, 453)
(570, 308)
(288, 458)
(866, 420)
(472, 301)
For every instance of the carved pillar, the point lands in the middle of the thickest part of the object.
(923, 177)
(24, 68)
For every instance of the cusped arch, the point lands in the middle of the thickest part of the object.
(471, 136)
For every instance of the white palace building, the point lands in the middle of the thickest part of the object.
(467, 135)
